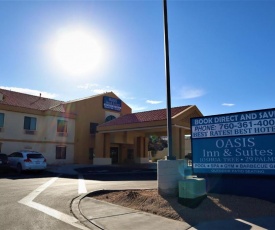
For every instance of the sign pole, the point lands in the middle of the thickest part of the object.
(168, 93)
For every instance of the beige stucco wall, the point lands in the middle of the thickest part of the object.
(51, 155)
(125, 137)
(45, 139)
(90, 110)
(14, 126)
(46, 127)
(49, 126)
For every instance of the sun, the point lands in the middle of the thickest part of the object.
(76, 51)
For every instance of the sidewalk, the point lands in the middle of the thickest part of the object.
(104, 215)
(96, 215)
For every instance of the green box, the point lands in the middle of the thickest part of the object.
(192, 188)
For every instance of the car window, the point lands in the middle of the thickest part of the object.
(34, 155)
(12, 155)
(19, 155)
(3, 156)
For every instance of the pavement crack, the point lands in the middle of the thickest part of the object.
(97, 218)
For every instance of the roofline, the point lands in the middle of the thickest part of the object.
(93, 96)
(187, 106)
(143, 128)
(39, 96)
(48, 112)
(55, 106)
(146, 122)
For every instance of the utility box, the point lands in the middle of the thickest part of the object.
(192, 191)
(185, 169)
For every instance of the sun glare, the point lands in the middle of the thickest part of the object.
(76, 51)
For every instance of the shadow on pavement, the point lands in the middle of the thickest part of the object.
(118, 173)
(103, 173)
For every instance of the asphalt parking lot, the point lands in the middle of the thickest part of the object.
(118, 173)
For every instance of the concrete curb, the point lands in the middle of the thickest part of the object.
(76, 211)
(96, 215)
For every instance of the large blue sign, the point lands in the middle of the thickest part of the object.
(239, 143)
(112, 103)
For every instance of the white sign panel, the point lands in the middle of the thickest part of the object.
(253, 123)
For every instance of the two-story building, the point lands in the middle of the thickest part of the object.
(36, 123)
(99, 130)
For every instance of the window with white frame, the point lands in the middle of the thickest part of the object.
(62, 126)
(2, 116)
(60, 152)
(30, 123)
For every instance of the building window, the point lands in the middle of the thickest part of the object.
(2, 115)
(93, 128)
(109, 118)
(62, 126)
(60, 152)
(30, 123)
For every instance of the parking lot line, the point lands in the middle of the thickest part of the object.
(253, 226)
(81, 184)
(28, 201)
(36, 192)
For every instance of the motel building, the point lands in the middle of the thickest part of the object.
(99, 130)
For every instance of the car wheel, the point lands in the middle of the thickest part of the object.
(19, 168)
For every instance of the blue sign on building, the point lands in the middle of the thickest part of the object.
(239, 143)
(112, 103)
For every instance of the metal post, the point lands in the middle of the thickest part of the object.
(168, 94)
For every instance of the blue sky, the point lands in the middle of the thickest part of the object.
(222, 53)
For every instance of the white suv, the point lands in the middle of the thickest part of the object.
(27, 160)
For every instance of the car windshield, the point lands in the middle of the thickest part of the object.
(3, 156)
(35, 155)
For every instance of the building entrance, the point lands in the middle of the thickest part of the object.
(114, 155)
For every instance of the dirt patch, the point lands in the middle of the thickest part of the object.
(213, 207)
